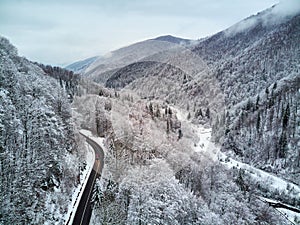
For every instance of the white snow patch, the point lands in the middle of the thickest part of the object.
(292, 216)
(273, 182)
(204, 145)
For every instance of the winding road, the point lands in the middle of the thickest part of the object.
(84, 210)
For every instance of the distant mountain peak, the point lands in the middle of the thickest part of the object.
(81, 65)
(172, 39)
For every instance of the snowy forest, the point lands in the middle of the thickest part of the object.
(38, 153)
(193, 132)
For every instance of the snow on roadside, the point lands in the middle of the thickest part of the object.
(98, 140)
(84, 175)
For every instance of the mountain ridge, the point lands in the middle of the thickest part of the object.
(81, 65)
(172, 39)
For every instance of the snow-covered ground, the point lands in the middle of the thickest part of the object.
(291, 215)
(84, 175)
(205, 145)
(273, 182)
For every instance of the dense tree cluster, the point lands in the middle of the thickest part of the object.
(67, 79)
(265, 131)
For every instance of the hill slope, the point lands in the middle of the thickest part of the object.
(127, 55)
(256, 63)
(172, 39)
(38, 172)
(80, 66)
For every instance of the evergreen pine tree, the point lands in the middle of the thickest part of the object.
(151, 108)
(168, 126)
(207, 113)
(157, 112)
(267, 92)
(189, 116)
(282, 145)
(258, 122)
(180, 134)
(257, 102)
(286, 116)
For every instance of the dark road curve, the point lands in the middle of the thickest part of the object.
(84, 210)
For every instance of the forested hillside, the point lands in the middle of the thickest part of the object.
(38, 162)
(246, 61)
(68, 80)
(256, 63)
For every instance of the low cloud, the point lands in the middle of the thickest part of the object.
(275, 15)
(241, 26)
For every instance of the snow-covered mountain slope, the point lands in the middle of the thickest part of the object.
(181, 57)
(264, 130)
(127, 55)
(38, 172)
(176, 75)
(273, 184)
(132, 72)
(80, 66)
(249, 56)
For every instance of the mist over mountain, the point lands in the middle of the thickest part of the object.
(257, 68)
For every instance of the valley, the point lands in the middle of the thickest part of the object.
(163, 131)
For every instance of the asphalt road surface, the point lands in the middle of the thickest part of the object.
(84, 210)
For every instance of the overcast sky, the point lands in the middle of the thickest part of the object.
(60, 32)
